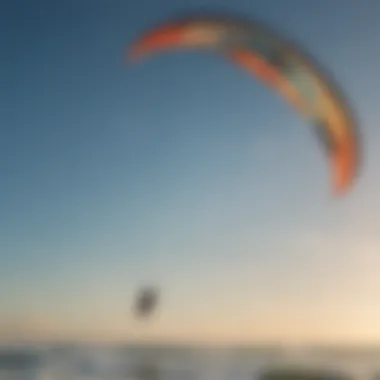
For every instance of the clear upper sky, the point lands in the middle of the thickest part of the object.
(184, 171)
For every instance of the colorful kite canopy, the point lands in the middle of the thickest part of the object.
(282, 66)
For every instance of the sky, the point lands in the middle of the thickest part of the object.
(183, 172)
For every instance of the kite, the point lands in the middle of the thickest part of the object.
(279, 64)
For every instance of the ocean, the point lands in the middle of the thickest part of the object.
(177, 363)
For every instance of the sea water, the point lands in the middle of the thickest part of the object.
(174, 363)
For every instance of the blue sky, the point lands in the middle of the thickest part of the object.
(183, 171)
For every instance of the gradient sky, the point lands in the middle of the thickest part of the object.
(182, 171)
